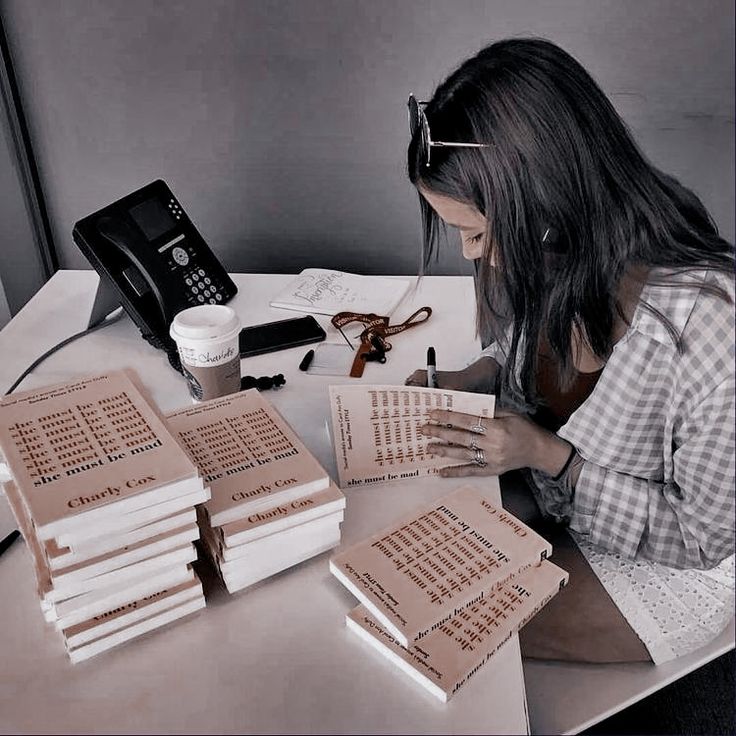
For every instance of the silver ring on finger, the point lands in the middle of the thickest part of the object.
(478, 427)
(479, 458)
(473, 444)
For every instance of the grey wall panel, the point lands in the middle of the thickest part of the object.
(21, 268)
(281, 126)
(4, 307)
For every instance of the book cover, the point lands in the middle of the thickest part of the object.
(85, 446)
(375, 430)
(420, 571)
(248, 455)
(449, 655)
(324, 291)
(281, 517)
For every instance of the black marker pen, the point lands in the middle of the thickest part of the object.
(431, 368)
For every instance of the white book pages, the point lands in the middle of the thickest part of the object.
(121, 578)
(134, 520)
(67, 556)
(110, 621)
(99, 571)
(397, 661)
(272, 546)
(81, 608)
(237, 581)
(131, 632)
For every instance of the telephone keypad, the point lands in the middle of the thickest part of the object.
(202, 288)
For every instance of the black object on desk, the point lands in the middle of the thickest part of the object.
(5, 544)
(285, 333)
(306, 361)
(152, 258)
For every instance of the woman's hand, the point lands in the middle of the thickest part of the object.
(478, 377)
(506, 442)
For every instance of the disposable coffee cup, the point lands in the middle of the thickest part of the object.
(207, 340)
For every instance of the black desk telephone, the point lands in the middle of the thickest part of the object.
(145, 247)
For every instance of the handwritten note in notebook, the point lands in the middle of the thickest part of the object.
(321, 291)
(376, 430)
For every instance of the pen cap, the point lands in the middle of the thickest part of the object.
(431, 358)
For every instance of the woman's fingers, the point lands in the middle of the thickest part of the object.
(469, 422)
(418, 378)
(450, 434)
(457, 471)
(455, 451)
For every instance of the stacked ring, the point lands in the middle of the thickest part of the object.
(480, 458)
(478, 427)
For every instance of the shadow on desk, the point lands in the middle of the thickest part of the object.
(581, 623)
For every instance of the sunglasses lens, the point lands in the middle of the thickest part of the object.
(414, 115)
(418, 125)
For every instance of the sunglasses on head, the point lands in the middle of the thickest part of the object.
(418, 123)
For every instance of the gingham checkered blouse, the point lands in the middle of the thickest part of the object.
(658, 434)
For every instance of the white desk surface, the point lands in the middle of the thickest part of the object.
(275, 658)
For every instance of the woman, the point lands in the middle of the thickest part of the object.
(608, 294)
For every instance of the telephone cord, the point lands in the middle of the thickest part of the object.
(110, 319)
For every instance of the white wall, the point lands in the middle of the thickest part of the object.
(281, 124)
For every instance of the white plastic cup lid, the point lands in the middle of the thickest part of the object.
(207, 322)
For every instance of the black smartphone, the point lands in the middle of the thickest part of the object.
(285, 333)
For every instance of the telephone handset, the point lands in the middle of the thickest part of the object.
(146, 247)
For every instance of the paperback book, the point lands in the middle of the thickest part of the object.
(419, 572)
(249, 456)
(82, 451)
(375, 430)
(105, 498)
(450, 654)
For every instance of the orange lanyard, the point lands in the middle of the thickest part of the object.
(373, 342)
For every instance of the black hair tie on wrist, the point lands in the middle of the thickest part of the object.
(263, 383)
(567, 464)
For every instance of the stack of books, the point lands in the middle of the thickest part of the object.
(272, 504)
(105, 499)
(442, 589)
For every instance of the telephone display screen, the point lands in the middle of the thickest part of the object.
(152, 218)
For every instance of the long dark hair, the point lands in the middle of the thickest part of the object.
(559, 157)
